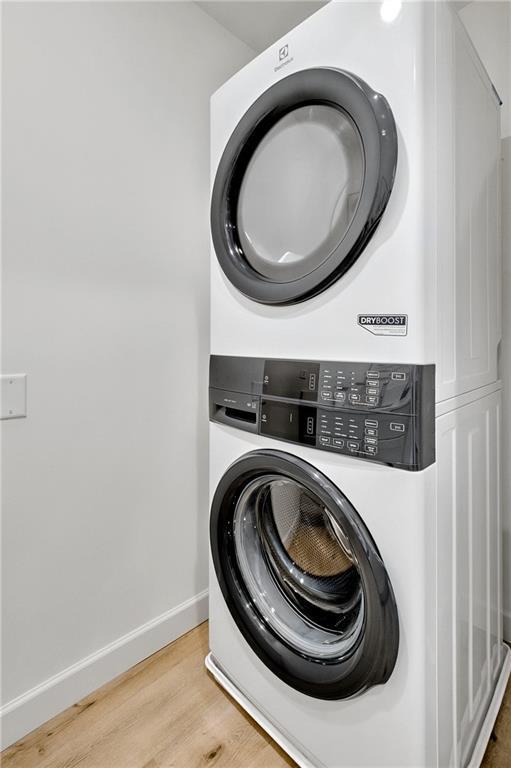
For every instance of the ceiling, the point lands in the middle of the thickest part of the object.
(259, 23)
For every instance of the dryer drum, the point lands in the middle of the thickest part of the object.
(302, 184)
(302, 577)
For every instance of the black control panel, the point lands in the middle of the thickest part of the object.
(380, 412)
(364, 386)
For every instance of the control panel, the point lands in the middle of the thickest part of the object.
(365, 386)
(374, 411)
(372, 435)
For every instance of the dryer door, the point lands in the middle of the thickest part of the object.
(302, 576)
(302, 185)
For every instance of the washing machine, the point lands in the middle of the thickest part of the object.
(355, 196)
(355, 579)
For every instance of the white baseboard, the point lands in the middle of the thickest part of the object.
(507, 626)
(21, 715)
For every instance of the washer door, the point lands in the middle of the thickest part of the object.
(302, 185)
(302, 576)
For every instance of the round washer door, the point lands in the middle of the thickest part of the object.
(302, 184)
(302, 576)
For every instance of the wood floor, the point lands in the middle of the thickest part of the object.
(167, 712)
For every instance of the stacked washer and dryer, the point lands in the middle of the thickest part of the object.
(355, 583)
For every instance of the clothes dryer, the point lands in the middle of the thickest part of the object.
(354, 208)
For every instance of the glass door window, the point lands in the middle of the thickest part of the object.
(300, 192)
(302, 576)
(302, 184)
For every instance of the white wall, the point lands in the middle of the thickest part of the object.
(105, 307)
(489, 25)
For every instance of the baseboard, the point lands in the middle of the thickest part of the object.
(28, 711)
(507, 626)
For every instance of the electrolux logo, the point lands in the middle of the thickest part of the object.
(284, 58)
(384, 325)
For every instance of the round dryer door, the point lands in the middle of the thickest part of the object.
(302, 185)
(302, 576)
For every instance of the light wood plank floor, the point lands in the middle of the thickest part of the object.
(167, 712)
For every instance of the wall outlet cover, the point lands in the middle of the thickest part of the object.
(13, 401)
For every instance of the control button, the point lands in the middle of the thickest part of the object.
(372, 399)
(353, 445)
(372, 391)
(340, 396)
(312, 381)
(371, 441)
(373, 374)
(374, 384)
(398, 376)
(324, 440)
(310, 425)
(354, 398)
(371, 432)
(371, 449)
(371, 423)
(397, 426)
(338, 443)
(326, 394)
